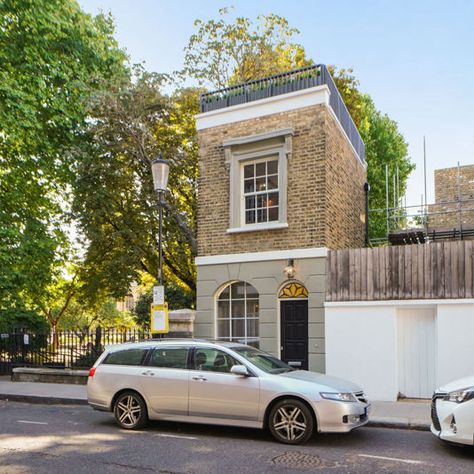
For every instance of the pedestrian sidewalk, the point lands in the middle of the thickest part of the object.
(48, 393)
(406, 414)
(411, 414)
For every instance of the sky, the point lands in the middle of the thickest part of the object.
(415, 58)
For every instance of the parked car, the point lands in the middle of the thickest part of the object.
(221, 383)
(452, 411)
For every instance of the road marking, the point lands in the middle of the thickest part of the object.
(384, 458)
(33, 422)
(162, 435)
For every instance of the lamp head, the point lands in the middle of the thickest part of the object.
(160, 169)
(290, 270)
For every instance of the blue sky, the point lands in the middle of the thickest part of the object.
(415, 58)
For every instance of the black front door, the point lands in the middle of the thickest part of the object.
(294, 333)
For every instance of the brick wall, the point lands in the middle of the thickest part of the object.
(448, 192)
(325, 187)
(345, 179)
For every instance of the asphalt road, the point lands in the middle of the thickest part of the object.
(64, 439)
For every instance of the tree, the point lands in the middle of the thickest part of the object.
(385, 145)
(115, 202)
(15, 320)
(223, 53)
(53, 57)
(56, 297)
(82, 318)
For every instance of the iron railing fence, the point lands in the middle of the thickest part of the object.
(285, 83)
(61, 349)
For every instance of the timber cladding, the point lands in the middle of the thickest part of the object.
(429, 271)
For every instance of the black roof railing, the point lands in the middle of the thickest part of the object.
(291, 81)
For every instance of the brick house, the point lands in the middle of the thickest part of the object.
(281, 180)
(453, 211)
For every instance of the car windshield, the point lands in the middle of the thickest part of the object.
(263, 361)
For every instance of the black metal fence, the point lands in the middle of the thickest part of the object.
(60, 349)
(284, 83)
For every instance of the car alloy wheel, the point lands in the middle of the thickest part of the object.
(130, 411)
(291, 422)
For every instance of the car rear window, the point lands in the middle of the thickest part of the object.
(126, 357)
(169, 357)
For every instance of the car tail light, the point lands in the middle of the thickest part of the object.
(92, 372)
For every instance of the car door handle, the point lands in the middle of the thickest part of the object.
(148, 372)
(199, 377)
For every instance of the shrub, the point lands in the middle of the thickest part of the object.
(21, 319)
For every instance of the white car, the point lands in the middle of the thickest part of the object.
(452, 411)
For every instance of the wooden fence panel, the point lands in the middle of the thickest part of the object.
(468, 269)
(429, 271)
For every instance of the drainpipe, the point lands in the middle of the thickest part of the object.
(366, 189)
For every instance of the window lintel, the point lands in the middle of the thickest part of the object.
(231, 145)
(282, 132)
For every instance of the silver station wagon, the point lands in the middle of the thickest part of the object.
(224, 384)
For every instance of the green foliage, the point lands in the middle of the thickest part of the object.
(224, 52)
(17, 319)
(385, 145)
(348, 87)
(176, 297)
(80, 316)
(141, 311)
(115, 202)
(53, 57)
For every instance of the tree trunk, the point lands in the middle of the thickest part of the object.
(54, 333)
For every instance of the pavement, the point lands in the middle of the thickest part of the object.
(406, 414)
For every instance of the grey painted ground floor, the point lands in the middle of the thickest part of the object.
(257, 311)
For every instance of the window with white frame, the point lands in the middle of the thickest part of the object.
(237, 314)
(258, 180)
(260, 191)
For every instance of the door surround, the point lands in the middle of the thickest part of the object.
(291, 290)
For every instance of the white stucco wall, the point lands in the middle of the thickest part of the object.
(361, 342)
(361, 347)
(455, 341)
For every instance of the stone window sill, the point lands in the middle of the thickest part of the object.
(257, 227)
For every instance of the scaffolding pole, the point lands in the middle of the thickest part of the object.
(386, 199)
(425, 210)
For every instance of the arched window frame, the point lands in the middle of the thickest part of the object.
(237, 315)
(293, 289)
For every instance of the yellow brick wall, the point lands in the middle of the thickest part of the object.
(447, 190)
(325, 187)
(345, 179)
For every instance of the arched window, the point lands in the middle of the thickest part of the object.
(237, 314)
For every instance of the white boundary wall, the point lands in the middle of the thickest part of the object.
(361, 342)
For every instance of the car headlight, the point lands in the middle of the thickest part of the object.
(340, 397)
(459, 396)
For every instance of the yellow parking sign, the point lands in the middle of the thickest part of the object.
(159, 318)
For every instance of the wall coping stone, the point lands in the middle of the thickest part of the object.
(44, 375)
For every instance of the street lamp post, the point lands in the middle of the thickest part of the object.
(160, 169)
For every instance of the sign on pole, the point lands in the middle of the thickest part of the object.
(159, 294)
(159, 318)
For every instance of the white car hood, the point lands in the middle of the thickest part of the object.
(332, 383)
(458, 384)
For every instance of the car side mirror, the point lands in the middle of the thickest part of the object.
(239, 370)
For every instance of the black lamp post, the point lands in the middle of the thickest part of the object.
(160, 169)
